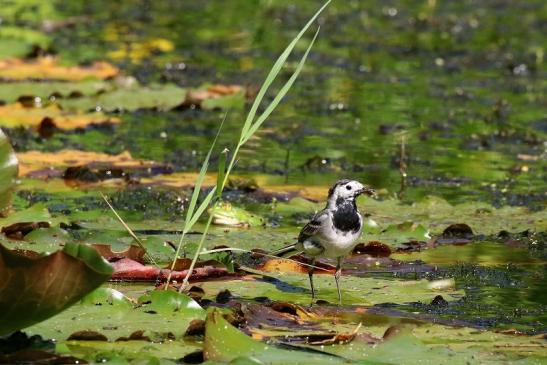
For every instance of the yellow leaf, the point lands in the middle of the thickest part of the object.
(17, 115)
(35, 160)
(48, 68)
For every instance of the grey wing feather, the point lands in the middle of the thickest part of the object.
(313, 226)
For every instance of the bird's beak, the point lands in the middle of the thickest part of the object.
(368, 191)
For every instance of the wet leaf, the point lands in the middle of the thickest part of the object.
(72, 273)
(49, 68)
(17, 231)
(225, 343)
(159, 316)
(167, 301)
(355, 290)
(397, 234)
(34, 214)
(8, 173)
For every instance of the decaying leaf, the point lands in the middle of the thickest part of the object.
(48, 68)
(49, 117)
(17, 231)
(54, 164)
(224, 343)
(71, 274)
(129, 270)
(327, 339)
(215, 96)
(133, 252)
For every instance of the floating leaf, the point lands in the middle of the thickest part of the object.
(36, 213)
(8, 172)
(215, 97)
(129, 98)
(71, 274)
(51, 164)
(52, 116)
(355, 290)
(48, 68)
(167, 301)
(54, 90)
(225, 343)
(160, 315)
(396, 234)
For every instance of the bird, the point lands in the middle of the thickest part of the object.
(332, 232)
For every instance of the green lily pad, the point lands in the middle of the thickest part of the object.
(396, 234)
(8, 172)
(355, 290)
(71, 274)
(129, 98)
(36, 213)
(18, 41)
(224, 343)
(167, 302)
(438, 344)
(10, 92)
(160, 315)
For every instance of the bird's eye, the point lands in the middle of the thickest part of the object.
(348, 187)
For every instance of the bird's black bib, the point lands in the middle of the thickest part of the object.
(346, 218)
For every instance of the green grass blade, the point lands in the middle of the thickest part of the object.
(278, 65)
(201, 209)
(191, 218)
(221, 171)
(281, 92)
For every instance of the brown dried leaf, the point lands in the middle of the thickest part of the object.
(133, 252)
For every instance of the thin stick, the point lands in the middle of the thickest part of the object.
(129, 230)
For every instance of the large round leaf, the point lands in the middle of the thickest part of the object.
(33, 289)
(8, 172)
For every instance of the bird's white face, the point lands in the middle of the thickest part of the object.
(348, 189)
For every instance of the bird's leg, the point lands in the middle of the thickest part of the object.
(310, 274)
(337, 275)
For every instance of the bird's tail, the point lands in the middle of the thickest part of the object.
(286, 251)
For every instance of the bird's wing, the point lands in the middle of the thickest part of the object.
(313, 225)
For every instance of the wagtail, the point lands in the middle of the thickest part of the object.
(333, 232)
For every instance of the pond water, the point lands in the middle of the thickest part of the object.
(462, 82)
(449, 94)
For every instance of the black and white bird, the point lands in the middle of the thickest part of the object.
(333, 232)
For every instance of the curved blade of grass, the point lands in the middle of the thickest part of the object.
(202, 208)
(192, 218)
(248, 129)
(201, 177)
(281, 92)
(275, 71)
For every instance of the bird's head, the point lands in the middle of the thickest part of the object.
(347, 190)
